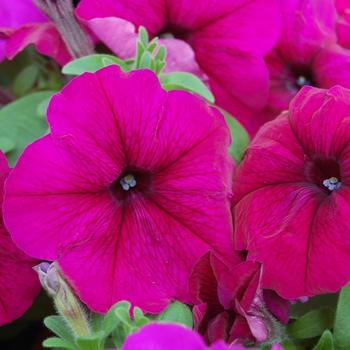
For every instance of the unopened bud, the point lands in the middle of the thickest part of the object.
(66, 302)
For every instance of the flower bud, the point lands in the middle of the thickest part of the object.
(66, 302)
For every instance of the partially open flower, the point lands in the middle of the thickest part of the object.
(229, 303)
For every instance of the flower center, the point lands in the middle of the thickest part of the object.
(332, 183)
(302, 76)
(174, 31)
(131, 181)
(325, 173)
(127, 182)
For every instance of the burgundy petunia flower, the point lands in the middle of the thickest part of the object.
(19, 284)
(229, 40)
(307, 54)
(131, 187)
(230, 304)
(293, 199)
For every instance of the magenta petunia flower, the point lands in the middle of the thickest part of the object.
(22, 24)
(130, 188)
(19, 284)
(229, 303)
(229, 39)
(307, 54)
(161, 336)
(292, 196)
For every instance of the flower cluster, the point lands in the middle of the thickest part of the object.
(144, 205)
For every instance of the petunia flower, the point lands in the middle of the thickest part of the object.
(168, 336)
(307, 54)
(131, 187)
(229, 303)
(292, 196)
(19, 284)
(229, 40)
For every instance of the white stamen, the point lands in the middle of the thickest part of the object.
(301, 81)
(332, 183)
(127, 182)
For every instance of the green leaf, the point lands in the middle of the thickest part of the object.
(327, 300)
(93, 342)
(58, 325)
(325, 342)
(289, 345)
(139, 318)
(6, 144)
(91, 63)
(240, 138)
(186, 81)
(178, 313)
(110, 321)
(25, 80)
(342, 320)
(55, 342)
(20, 122)
(43, 106)
(312, 324)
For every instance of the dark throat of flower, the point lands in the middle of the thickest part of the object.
(61, 12)
(174, 31)
(302, 76)
(325, 173)
(132, 181)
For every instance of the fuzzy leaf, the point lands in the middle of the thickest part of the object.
(58, 325)
(186, 81)
(91, 63)
(325, 342)
(20, 122)
(55, 342)
(342, 320)
(178, 313)
(312, 324)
